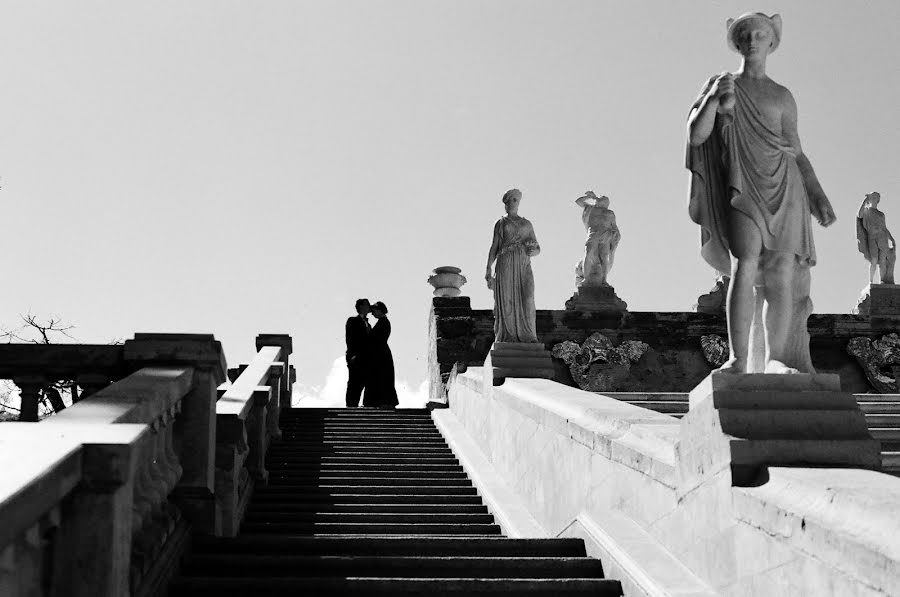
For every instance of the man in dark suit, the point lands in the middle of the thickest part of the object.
(357, 333)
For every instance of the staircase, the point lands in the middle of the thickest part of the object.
(882, 416)
(373, 502)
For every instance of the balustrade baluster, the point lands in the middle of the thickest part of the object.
(272, 410)
(90, 383)
(30, 387)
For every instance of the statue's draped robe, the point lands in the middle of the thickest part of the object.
(747, 166)
(514, 311)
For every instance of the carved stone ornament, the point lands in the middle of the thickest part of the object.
(879, 359)
(715, 349)
(596, 365)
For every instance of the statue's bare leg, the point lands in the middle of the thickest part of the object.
(778, 310)
(746, 249)
(591, 261)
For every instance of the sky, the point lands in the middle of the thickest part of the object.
(238, 168)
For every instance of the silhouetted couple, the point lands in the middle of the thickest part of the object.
(369, 358)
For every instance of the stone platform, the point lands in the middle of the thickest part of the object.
(747, 422)
(592, 299)
(520, 359)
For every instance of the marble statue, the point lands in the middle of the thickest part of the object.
(752, 192)
(875, 241)
(602, 239)
(513, 246)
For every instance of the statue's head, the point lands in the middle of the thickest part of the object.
(754, 33)
(511, 200)
(873, 198)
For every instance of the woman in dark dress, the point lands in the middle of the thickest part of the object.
(380, 391)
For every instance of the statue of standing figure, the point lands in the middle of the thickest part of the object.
(602, 239)
(752, 192)
(512, 247)
(875, 241)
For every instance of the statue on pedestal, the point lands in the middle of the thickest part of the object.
(603, 237)
(592, 289)
(875, 241)
(513, 246)
(753, 192)
(516, 351)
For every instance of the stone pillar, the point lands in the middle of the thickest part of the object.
(287, 347)
(94, 543)
(196, 426)
(450, 327)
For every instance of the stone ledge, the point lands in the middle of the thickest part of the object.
(635, 437)
(630, 555)
(846, 518)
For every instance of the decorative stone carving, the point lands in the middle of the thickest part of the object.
(596, 365)
(767, 195)
(447, 281)
(877, 356)
(715, 349)
(874, 240)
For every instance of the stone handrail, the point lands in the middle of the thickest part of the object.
(101, 498)
(247, 415)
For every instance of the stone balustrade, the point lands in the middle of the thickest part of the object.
(101, 499)
(247, 416)
(33, 367)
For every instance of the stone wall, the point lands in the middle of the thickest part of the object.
(586, 465)
(462, 336)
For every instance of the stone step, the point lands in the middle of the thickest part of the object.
(359, 517)
(319, 481)
(362, 506)
(367, 475)
(880, 407)
(371, 528)
(261, 498)
(885, 433)
(336, 490)
(365, 587)
(883, 420)
(353, 467)
(383, 459)
(405, 566)
(490, 546)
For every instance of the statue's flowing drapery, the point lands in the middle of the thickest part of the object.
(514, 311)
(747, 166)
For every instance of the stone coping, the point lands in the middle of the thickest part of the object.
(142, 397)
(238, 398)
(844, 517)
(636, 437)
(32, 486)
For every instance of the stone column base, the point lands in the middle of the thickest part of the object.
(741, 423)
(879, 300)
(595, 298)
(520, 359)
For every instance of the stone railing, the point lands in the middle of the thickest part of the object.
(101, 498)
(247, 416)
(34, 367)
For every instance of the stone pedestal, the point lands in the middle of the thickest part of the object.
(520, 359)
(879, 301)
(739, 424)
(595, 298)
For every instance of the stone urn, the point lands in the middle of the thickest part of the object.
(447, 280)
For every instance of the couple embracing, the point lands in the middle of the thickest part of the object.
(369, 359)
